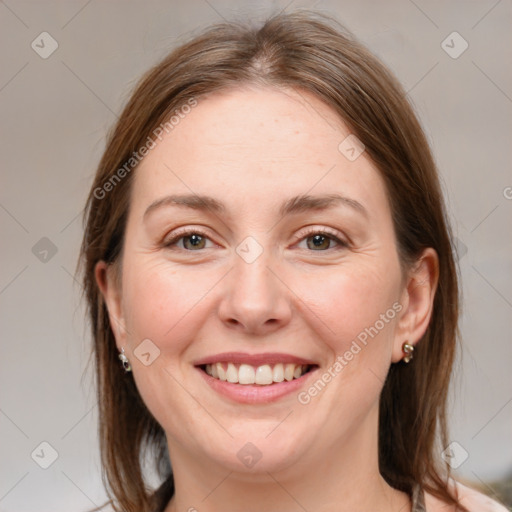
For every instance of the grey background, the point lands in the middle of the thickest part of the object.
(55, 113)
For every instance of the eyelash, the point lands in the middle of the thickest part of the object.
(323, 232)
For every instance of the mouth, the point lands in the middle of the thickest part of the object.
(262, 375)
(255, 379)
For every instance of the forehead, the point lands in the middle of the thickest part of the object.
(256, 143)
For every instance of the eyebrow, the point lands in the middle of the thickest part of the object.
(294, 205)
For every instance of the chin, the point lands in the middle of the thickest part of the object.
(257, 452)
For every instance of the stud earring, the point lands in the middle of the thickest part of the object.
(125, 362)
(408, 350)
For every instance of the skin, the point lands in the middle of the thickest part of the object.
(252, 148)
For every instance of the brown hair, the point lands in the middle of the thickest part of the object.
(307, 51)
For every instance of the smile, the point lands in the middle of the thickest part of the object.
(256, 378)
(263, 375)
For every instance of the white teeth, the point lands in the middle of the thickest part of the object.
(221, 372)
(246, 374)
(278, 373)
(263, 375)
(289, 369)
(232, 373)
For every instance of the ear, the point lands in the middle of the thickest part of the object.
(417, 301)
(109, 286)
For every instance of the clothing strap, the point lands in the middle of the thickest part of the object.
(418, 500)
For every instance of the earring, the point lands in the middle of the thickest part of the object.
(408, 350)
(124, 360)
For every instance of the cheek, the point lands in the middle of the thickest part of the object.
(350, 302)
(166, 306)
(161, 303)
(360, 309)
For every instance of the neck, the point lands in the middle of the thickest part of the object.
(343, 478)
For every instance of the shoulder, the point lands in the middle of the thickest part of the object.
(477, 501)
(473, 500)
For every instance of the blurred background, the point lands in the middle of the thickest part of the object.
(67, 68)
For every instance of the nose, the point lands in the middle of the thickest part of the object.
(255, 300)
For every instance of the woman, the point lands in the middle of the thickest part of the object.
(267, 255)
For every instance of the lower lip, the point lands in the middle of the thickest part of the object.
(256, 394)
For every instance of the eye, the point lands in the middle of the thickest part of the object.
(318, 240)
(321, 240)
(193, 240)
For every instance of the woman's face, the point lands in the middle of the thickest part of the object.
(289, 265)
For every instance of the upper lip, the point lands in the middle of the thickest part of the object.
(253, 359)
